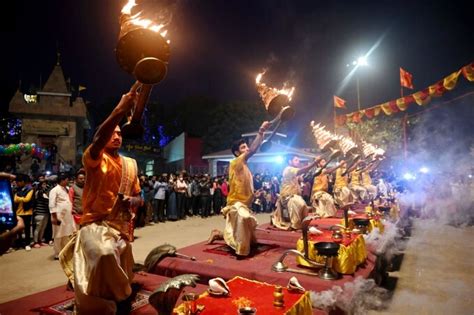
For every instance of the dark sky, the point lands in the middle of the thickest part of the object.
(218, 47)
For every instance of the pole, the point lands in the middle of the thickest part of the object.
(334, 112)
(404, 129)
(358, 93)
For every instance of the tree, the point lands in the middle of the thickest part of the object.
(385, 132)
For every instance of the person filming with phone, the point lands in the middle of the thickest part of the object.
(11, 225)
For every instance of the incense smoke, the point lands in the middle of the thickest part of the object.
(441, 150)
(355, 297)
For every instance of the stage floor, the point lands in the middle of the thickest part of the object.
(212, 262)
(24, 305)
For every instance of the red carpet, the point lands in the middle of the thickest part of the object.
(210, 265)
(57, 295)
(268, 234)
(228, 251)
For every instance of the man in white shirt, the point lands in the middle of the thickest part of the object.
(60, 207)
(181, 188)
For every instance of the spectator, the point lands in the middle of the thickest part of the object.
(181, 188)
(60, 208)
(159, 198)
(8, 237)
(217, 196)
(41, 213)
(257, 182)
(205, 193)
(196, 195)
(189, 197)
(34, 168)
(23, 202)
(75, 195)
(171, 209)
(225, 191)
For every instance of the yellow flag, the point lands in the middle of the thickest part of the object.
(82, 88)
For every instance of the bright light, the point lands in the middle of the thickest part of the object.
(30, 98)
(409, 176)
(362, 61)
(470, 175)
(424, 170)
(48, 173)
(279, 159)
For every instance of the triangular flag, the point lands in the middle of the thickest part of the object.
(82, 88)
(406, 79)
(339, 102)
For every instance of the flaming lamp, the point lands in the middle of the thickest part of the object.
(142, 51)
(277, 105)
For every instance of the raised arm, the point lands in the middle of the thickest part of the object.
(308, 167)
(350, 169)
(258, 140)
(106, 129)
(330, 170)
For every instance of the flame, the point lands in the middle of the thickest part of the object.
(127, 9)
(369, 149)
(323, 137)
(145, 23)
(268, 93)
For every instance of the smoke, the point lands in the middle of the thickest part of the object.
(385, 243)
(356, 297)
(440, 161)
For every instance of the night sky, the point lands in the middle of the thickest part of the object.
(219, 46)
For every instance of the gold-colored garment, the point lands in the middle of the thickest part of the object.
(341, 181)
(343, 196)
(366, 180)
(98, 260)
(347, 260)
(290, 184)
(371, 191)
(103, 179)
(373, 223)
(320, 183)
(355, 177)
(99, 264)
(240, 225)
(240, 182)
(324, 204)
(297, 211)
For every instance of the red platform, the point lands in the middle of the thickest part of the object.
(53, 296)
(268, 234)
(209, 265)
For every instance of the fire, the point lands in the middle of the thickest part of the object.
(323, 137)
(144, 23)
(268, 93)
(370, 149)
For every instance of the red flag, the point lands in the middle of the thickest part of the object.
(406, 79)
(339, 102)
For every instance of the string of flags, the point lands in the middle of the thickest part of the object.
(401, 104)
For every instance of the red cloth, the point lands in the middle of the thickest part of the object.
(209, 265)
(260, 294)
(22, 306)
(326, 223)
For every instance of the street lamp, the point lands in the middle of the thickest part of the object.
(360, 62)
